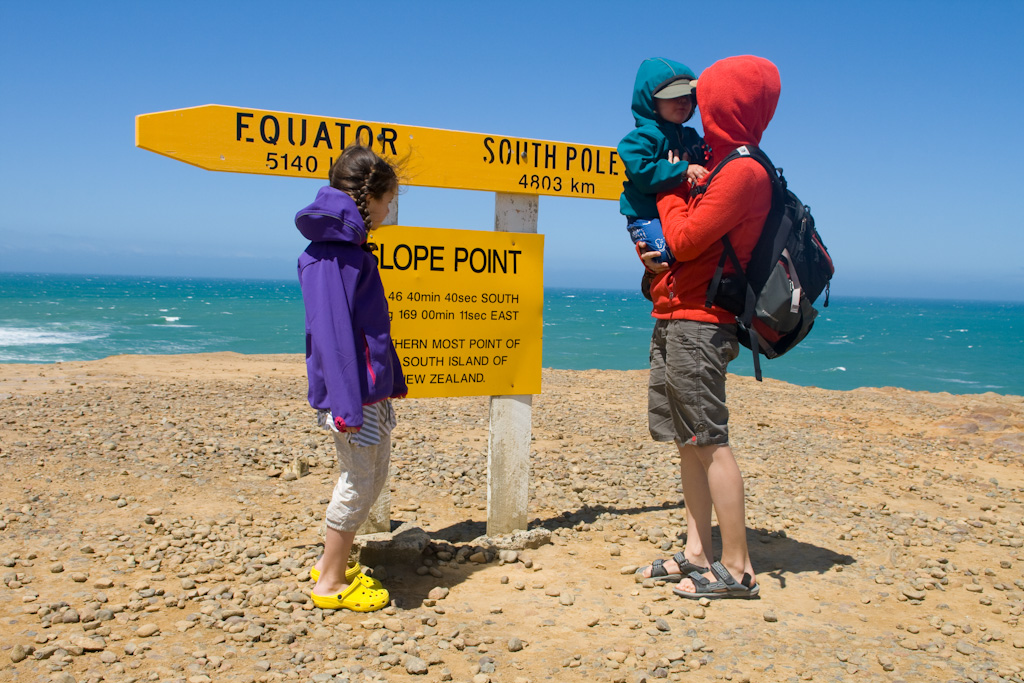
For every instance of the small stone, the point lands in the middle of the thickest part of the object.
(965, 648)
(770, 616)
(18, 653)
(913, 594)
(566, 599)
(438, 593)
(515, 645)
(56, 568)
(885, 661)
(147, 630)
(79, 577)
(296, 469)
(103, 583)
(415, 666)
(88, 644)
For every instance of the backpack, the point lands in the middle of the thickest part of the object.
(788, 269)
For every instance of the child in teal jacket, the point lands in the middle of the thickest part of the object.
(660, 153)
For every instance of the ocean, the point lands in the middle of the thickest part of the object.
(959, 347)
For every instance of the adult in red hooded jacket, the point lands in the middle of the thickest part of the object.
(692, 344)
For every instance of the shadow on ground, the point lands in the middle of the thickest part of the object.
(772, 553)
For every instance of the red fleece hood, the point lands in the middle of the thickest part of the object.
(737, 98)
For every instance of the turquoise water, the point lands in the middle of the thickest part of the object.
(954, 346)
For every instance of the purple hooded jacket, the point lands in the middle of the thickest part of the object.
(350, 359)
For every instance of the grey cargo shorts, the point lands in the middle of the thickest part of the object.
(686, 390)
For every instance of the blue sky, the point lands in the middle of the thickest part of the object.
(898, 124)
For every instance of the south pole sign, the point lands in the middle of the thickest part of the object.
(235, 139)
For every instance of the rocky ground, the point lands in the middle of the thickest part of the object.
(152, 530)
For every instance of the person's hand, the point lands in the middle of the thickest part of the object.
(650, 259)
(673, 156)
(351, 430)
(695, 172)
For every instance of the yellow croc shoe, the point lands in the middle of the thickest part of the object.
(358, 597)
(353, 573)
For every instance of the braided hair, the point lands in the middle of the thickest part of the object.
(362, 175)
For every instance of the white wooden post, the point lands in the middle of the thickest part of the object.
(511, 417)
(380, 513)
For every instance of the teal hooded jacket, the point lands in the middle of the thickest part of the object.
(644, 151)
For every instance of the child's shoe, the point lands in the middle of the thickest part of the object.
(358, 597)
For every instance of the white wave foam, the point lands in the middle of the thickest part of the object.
(957, 381)
(31, 336)
(171, 318)
(838, 368)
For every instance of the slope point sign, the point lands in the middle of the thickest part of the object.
(466, 308)
(235, 139)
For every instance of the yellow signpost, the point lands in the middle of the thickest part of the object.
(466, 308)
(222, 138)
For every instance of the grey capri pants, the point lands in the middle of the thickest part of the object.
(363, 472)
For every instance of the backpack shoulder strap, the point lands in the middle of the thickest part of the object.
(744, 319)
(728, 253)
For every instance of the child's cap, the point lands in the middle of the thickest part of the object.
(677, 87)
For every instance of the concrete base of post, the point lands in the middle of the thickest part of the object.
(404, 545)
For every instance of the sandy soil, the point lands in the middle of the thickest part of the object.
(148, 533)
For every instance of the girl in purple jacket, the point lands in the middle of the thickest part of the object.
(351, 363)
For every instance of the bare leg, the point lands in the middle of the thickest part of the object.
(333, 563)
(697, 493)
(698, 512)
(725, 484)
